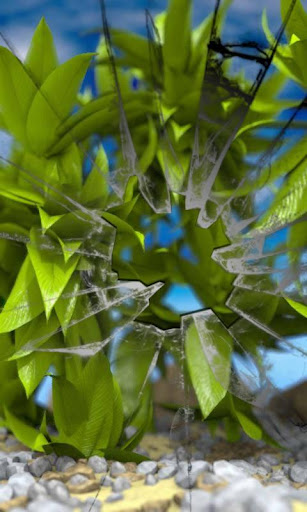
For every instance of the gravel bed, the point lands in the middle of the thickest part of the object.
(30, 482)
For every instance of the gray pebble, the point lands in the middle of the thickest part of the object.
(211, 479)
(130, 431)
(269, 458)
(147, 467)
(185, 479)
(106, 481)
(53, 458)
(121, 484)
(36, 490)
(181, 454)
(91, 504)
(150, 480)
(22, 456)
(6, 492)
(98, 464)
(228, 471)
(64, 462)
(40, 466)
(117, 468)
(11, 441)
(141, 451)
(48, 506)
(3, 431)
(265, 465)
(57, 490)
(198, 456)
(167, 472)
(16, 467)
(3, 469)
(298, 472)
(196, 500)
(115, 496)
(20, 482)
(18, 509)
(245, 466)
(241, 492)
(77, 479)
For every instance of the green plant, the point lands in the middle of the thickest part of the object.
(66, 288)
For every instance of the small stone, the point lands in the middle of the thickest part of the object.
(87, 486)
(195, 500)
(3, 469)
(227, 471)
(130, 431)
(36, 490)
(286, 469)
(22, 456)
(117, 468)
(269, 458)
(298, 472)
(40, 466)
(106, 481)
(11, 441)
(79, 469)
(20, 482)
(167, 472)
(77, 479)
(120, 484)
(3, 431)
(52, 457)
(147, 467)
(115, 496)
(6, 492)
(64, 462)
(181, 454)
(141, 451)
(245, 466)
(151, 479)
(211, 479)
(16, 467)
(98, 464)
(185, 479)
(57, 490)
(91, 504)
(18, 509)
(130, 467)
(241, 492)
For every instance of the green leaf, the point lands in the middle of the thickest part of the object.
(47, 220)
(54, 101)
(63, 449)
(41, 58)
(16, 94)
(250, 427)
(38, 330)
(208, 348)
(69, 406)
(95, 190)
(297, 23)
(65, 305)
(118, 416)
(24, 302)
(25, 433)
(124, 455)
(123, 227)
(176, 50)
(32, 368)
(289, 204)
(51, 271)
(300, 308)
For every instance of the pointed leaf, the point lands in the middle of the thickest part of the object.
(53, 102)
(51, 271)
(41, 58)
(24, 302)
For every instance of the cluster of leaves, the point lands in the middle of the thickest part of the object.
(57, 225)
